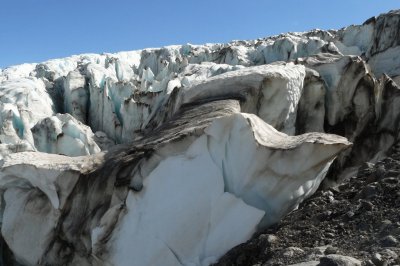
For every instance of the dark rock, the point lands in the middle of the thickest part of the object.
(392, 254)
(363, 226)
(339, 260)
(330, 250)
(241, 259)
(390, 181)
(366, 167)
(389, 241)
(307, 263)
(392, 173)
(369, 191)
(378, 260)
(380, 172)
(385, 224)
(330, 235)
(268, 238)
(366, 205)
(292, 251)
(368, 263)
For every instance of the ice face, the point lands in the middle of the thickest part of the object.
(215, 141)
(194, 190)
(63, 134)
(202, 217)
(120, 94)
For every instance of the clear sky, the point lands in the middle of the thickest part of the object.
(38, 30)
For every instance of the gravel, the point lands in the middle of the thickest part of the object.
(355, 223)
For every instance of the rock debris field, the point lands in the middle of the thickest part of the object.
(357, 221)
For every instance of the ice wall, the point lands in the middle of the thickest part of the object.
(180, 153)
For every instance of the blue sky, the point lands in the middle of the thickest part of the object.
(38, 30)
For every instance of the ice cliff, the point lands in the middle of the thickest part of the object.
(172, 156)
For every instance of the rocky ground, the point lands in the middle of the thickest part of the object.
(354, 223)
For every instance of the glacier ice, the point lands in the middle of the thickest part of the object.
(270, 91)
(63, 134)
(198, 190)
(75, 95)
(174, 179)
(174, 155)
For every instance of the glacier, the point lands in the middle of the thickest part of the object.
(174, 155)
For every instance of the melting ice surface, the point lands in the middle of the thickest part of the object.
(173, 156)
